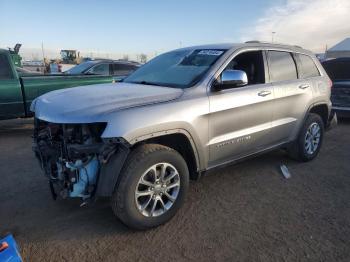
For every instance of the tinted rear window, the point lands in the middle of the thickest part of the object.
(337, 69)
(282, 66)
(5, 69)
(307, 67)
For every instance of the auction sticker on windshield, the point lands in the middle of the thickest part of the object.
(211, 52)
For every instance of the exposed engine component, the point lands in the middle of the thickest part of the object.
(85, 179)
(71, 156)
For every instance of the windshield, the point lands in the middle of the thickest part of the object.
(180, 68)
(79, 69)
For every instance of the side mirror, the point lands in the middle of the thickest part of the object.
(231, 79)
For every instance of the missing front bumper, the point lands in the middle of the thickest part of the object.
(72, 157)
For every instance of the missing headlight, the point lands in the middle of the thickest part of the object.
(71, 155)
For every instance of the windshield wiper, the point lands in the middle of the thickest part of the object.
(146, 83)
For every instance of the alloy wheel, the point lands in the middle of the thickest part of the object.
(312, 138)
(157, 189)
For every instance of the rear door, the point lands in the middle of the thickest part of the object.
(11, 102)
(293, 94)
(240, 117)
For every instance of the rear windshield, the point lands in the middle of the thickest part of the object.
(337, 69)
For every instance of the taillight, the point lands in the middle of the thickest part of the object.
(330, 83)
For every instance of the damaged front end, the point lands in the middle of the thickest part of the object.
(72, 156)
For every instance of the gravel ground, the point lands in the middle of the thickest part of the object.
(246, 212)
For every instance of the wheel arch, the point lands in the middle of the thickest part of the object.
(179, 140)
(322, 110)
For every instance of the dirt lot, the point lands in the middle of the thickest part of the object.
(246, 212)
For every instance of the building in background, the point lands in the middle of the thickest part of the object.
(342, 49)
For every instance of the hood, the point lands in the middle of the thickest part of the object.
(93, 103)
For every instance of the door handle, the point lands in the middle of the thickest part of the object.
(304, 86)
(264, 93)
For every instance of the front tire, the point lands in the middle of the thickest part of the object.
(310, 138)
(152, 187)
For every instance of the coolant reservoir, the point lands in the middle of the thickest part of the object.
(87, 177)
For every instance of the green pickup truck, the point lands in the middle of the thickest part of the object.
(18, 90)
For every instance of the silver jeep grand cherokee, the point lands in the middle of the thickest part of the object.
(181, 114)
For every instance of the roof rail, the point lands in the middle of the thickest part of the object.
(262, 42)
(265, 42)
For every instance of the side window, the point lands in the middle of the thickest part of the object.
(282, 66)
(5, 69)
(252, 63)
(123, 70)
(101, 69)
(308, 67)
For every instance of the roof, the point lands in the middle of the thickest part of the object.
(248, 44)
(341, 46)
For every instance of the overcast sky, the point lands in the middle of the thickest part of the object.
(152, 27)
(311, 24)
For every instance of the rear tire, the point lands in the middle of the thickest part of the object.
(309, 141)
(152, 187)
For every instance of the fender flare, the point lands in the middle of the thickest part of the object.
(329, 108)
(109, 173)
(170, 132)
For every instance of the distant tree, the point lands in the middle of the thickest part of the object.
(143, 58)
(126, 57)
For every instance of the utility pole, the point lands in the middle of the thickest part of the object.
(272, 36)
(42, 50)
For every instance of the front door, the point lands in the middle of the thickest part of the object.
(240, 117)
